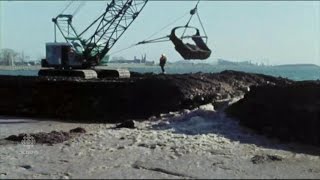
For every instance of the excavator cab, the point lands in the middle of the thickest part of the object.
(61, 55)
(63, 60)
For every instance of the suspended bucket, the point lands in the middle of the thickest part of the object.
(188, 51)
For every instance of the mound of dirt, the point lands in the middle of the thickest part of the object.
(289, 112)
(114, 100)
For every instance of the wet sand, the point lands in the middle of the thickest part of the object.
(200, 143)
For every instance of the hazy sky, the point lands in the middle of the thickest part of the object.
(261, 31)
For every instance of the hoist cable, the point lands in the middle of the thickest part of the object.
(202, 26)
(154, 40)
(67, 7)
(192, 12)
(123, 49)
(82, 3)
(167, 25)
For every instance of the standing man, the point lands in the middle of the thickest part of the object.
(163, 60)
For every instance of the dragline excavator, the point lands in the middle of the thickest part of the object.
(79, 54)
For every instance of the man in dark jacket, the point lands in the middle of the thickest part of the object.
(163, 60)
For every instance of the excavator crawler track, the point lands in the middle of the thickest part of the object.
(110, 73)
(86, 73)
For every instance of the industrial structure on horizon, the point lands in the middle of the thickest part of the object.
(135, 60)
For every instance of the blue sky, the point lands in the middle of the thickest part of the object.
(274, 32)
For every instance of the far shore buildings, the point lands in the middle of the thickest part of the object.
(135, 60)
(18, 62)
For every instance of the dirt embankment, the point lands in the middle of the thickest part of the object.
(290, 112)
(109, 100)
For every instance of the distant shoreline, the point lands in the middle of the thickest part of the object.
(20, 67)
(133, 65)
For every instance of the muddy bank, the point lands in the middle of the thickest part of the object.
(109, 100)
(289, 112)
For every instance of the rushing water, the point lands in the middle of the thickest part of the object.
(291, 72)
